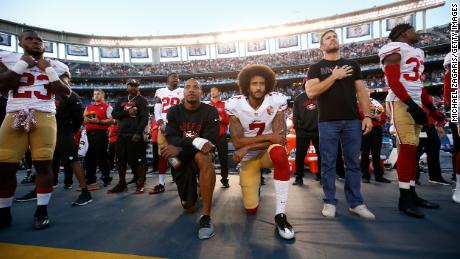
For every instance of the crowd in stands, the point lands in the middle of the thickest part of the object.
(436, 36)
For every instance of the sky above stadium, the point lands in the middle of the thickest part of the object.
(143, 17)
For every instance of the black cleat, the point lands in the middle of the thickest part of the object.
(283, 228)
(31, 196)
(407, 206)
(41, 219)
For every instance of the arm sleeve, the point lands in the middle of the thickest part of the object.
(118, 112)
(143, 115)
(393, 73)
(173, 132)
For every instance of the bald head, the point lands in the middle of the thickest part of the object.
(192, 91)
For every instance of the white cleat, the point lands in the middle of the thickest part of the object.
(283, 227)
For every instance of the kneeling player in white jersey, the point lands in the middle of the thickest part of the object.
(32, 82)
(403, 66)
(258, 132)
(165, 98)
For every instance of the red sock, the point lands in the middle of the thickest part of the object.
(162, 165)
(406, 162)
(280, 163)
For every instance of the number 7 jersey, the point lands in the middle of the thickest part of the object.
(256, 122)
(34, 91)
(412, 67)
(169, 99)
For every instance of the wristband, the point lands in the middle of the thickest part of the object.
(198, 143)
(52, 75)
(20, 67)
(368, 116)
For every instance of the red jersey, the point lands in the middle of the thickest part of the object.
(224, 119)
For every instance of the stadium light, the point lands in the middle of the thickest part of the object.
(316, 25)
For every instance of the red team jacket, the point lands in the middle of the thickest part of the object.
(224, 119)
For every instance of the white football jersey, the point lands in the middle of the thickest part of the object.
(256, 122)
(34, 91)
(169, 99)
(412, 67)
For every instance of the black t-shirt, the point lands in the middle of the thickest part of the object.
(185, 125)
(305, 115)
(339, 101)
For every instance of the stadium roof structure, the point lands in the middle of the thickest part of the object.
(377, 13)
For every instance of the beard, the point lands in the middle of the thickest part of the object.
(254, 96)
(332, 50)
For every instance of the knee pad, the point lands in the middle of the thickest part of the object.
(280, 161)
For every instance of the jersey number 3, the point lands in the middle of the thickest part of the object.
(30, 80)
(416, 75)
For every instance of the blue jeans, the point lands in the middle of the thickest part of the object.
(349, 131)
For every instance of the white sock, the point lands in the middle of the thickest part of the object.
(162, 178)
(6, 202)
(281, 190)
(43, 198)
(458, 181)
(404, 185)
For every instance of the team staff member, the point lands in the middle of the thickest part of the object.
(132, 115)
(98, 118)
(221, 143)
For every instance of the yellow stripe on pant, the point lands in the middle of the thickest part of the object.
(13, 251)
